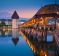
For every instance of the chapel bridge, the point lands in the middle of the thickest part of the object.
(39, 22)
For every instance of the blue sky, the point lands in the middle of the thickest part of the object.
(25, 8)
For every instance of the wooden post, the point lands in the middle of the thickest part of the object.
(55, 21)
(44, 21)
(45, 35)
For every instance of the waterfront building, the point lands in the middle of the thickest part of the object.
(15, 18)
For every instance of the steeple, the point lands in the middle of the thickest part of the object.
(15, 15)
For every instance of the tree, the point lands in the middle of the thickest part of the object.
(2, 23)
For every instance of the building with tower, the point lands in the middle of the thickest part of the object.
(15, 18)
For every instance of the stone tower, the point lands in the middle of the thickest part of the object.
(15, 18)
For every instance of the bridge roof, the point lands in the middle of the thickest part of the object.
(47, 15)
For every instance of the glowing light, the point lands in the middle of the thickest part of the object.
(44, 27)
(45, 55)
(57, 12)
(40, 27)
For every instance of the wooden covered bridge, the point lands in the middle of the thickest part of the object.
(41, 20)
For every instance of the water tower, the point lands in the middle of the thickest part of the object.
(15, 18)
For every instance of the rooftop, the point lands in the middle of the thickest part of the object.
(15, 15)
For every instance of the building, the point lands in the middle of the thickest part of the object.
(47, 9)
(7, 21)
(41, 18)
(15, 18)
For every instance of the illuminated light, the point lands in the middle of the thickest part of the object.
(6, 33)
(3, 29)
(44, 27)
(41, 51)
(40, 27)
(34, 51)
(58, 25)
(29, 44)
(57, 12)
(9, 29)
(45, 55)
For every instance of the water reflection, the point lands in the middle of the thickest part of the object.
(5, 33)
(8, 40)
(15, 36)
(14, 33)
(22, 47)
(43, 48)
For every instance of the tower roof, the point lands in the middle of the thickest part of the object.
(15, 40)
(15, 15)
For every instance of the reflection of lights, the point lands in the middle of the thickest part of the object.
(49, 28)
(57, 12)
(0, 33)
(30, 44)
(45, 55)
(58, 24)
(6, 33)
(3, 29)
(9, 29)
(44, 27)
(40, 27)
(41, 51)
(34, 51)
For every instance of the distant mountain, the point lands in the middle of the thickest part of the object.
(23, 18)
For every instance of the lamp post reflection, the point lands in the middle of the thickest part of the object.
(15, 37)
